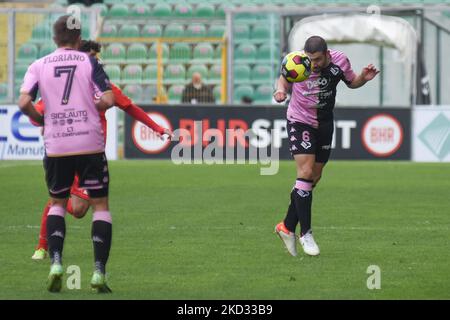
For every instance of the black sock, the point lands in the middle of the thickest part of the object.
(291, 219)
(56, 230)
(101, 239)
(302, 195)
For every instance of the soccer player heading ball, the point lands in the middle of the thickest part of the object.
(310, 131)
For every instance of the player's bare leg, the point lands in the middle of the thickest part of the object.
(101, 238)
(56, 229)
(317, 172)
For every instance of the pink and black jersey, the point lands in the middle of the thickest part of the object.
(313, 100)
(69, 81)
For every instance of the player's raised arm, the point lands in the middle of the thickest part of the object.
(126, 104)
(367, 74)
(283, 87)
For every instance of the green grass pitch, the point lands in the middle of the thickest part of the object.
(206, 232)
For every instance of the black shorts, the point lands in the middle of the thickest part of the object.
(304, 139)
(92, 170)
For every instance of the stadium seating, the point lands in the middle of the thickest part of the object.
(200, 68)
(20, 70)
(262, 73)
(241, 73)
(245, 52)
(203, 52)
(216, 31)
(140, 11)
(3, 91)
(28, 52)
(215, 74)
(196, 30)
(119, 10)
(150, 74)
(115, 52)
(113, 72)
(263, 94)
(175, 93)
(204, 10)
(217, 92)
(180, 52)
(183, 10)
(174, 30)
(109, 30)
(40, 33)
(128, 31)
(243, 91)
(174, 74)
(161, 10)
(153, 52)
(134, 91)
(132, 74)
(137, 53)
(151, 31)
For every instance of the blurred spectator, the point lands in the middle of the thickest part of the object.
(197, 92)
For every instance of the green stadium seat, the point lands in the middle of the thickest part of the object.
(115, 52)
(113, 72)
(263, 53)
(3, 91)
(137, 53)
(196, 30)
(204, 11)
(180, 52)
(20, 70)
(109, 30)
(175, 93)
(260, 33)
(174, 30)
(174, 74)
(215, 74)
(140, 10)
(134, 92)
(200, 68)
(46, 49)
(220, 11)
(41, 33)
(101, 7)
(216, 31)
(150, 75)
(241, 73)
(132, 73)
(241, 32)
(245, 52)
(28, 52)
(119, 10)
(129, 31)
(241, 91)
(161, 10)
(153, 52)
(149, 93)
(218, 52)
(262, 73)
(203, 52)
(151, 31)
(182, 10)
(263, 94)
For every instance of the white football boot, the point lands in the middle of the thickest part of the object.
(287, 237)
(310, 247)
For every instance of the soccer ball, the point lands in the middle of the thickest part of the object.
(296, 66)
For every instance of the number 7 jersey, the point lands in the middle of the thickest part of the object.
(68, 82)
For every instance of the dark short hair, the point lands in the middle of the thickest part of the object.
(66, 30)
(316, 44)
(88, 45)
